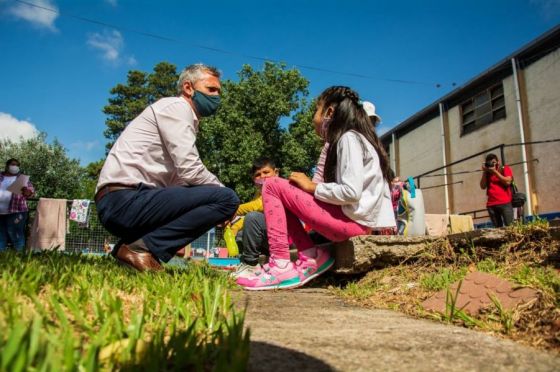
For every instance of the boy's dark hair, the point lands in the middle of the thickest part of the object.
(349, 114)
(491, 157)
(261, 163)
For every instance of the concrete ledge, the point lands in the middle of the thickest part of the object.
(363, 253)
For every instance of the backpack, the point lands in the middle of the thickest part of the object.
(518, 199)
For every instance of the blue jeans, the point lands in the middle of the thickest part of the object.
(166, 219)
(253, 238)
(12, 228)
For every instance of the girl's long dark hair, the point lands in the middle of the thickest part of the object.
(348, 115)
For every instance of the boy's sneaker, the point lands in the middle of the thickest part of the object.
(310, 268)
(271, 276)
(244, 270)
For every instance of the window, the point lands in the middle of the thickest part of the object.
(483, 109)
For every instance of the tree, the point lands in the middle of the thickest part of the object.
(130, 99)
(300, 144)
(247, 125)
(91, 176)
(52, 172)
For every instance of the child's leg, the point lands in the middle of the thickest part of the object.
(284, 204)
(255, 241)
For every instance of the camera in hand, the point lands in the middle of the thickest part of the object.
(490, 164)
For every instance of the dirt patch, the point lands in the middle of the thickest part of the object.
(526, 256)
(312, 330)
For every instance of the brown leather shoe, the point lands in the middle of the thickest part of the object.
(138, 259)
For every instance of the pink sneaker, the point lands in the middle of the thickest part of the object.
(271, 277)
(310, 268)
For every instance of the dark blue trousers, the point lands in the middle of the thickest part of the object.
(12, 227)
(166, 219)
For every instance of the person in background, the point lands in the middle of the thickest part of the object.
(370, 111)
(251, 229)
(354, 198)
(396, 190)
(497, 180)
(13, 208)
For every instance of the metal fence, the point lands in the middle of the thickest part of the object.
(91, 237)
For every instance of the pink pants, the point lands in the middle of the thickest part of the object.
(285, 205)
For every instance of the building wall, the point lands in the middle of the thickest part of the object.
(542, 82)
(420, 151)
(468, 196)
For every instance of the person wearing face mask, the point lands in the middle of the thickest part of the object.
(13, 208)
(353, 199)
(250, 229)
(154, 192)
(375, 119)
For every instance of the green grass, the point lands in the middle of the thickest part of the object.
(73, 312)
(442, 279)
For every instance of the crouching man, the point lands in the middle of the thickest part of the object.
(154, 192)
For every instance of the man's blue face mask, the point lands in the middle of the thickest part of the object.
(205, 104)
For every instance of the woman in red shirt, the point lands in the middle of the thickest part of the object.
(497, 181)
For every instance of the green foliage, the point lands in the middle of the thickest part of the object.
(487, 265)
(92, 171)
(357, 291)
(76, 312)
(300, 144)
(505, 317)
(543, 278)
(453, 313)
(442, 279)
(246, 126)
(130, 99)
(52, 172)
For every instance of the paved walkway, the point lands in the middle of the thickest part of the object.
(310, 330)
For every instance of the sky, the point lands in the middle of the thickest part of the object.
(56, 69)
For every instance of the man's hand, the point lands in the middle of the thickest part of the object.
(228, 222)
(488, 169)
(26, 192)
(303, 182)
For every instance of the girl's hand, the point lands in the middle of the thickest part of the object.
(303, 182)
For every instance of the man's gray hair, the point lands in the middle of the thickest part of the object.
(193, 73)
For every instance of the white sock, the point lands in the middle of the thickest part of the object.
(281, 263)
(310, 252)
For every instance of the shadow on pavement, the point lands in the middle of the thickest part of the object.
(271, 358)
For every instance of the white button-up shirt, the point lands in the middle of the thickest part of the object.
(158, 149)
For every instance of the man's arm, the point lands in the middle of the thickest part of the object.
(178, 134)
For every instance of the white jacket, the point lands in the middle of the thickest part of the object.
(360, 187)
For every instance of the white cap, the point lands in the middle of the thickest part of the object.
(370, 110)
